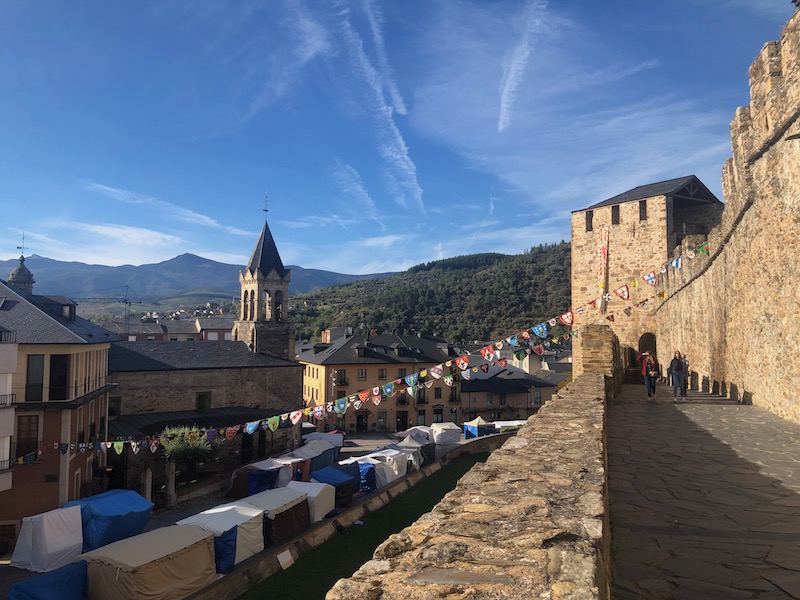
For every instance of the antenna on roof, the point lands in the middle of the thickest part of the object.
(266, 202)
(23, 247)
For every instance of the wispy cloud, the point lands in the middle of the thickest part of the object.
(401, 170)
(360, 203)
(375, 17)
(515, 62)
(177, 212)
(131, 236)
(384, 241)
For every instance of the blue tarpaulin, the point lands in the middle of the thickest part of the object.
(259, 481)
(65, 583)
(367, 479)
(225, 550)
(112, 516)
(343, 483)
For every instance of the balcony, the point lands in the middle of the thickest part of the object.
(7, 399)
(8, 337)
(6, 465)
(341, 381)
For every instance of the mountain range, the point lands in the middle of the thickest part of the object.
(184, 275)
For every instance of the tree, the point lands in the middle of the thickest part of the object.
(187, 447)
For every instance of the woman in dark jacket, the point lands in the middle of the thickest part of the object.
(649, 372)
(677, 370)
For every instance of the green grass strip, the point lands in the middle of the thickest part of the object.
(316, 572)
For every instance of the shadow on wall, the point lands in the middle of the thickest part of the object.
(744, 398)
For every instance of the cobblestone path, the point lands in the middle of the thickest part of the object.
(704, 498)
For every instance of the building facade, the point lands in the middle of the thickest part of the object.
(616, 242)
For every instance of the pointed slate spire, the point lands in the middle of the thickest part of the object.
(265, 256)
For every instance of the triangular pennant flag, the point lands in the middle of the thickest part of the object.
(319, 412)
(423, 374)
(663, 269)
(437, 372)
(412, 379)
(610, 318)
(251, 427)
(273, 423)
(357, 404)
(82, 448)
(388, 390)
(376, 400)
(412, 389)
(64, 447)
(462, 362)
(153, 445)
(485, 368)
(662, 295)
(690, 254)
(376, 391)
(296, 416)
(448, 379)
(512, 341)
(502, 363)
(520, 354)
(230, 432)
(363, 394)
(675, 263)
(628, 311)
(499, 345)
(579, 310)
(467, 374)
(552, 322)
(623, 292)
(329, 407)
(428, 384)
(341, 405)
(525, 335)
(635, 283)
(135, 447)
(540, 330)
(118, 446)
(211, 435)
(538, 350)
(650, 278)
(566, 318)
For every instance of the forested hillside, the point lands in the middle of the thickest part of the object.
(474, 297)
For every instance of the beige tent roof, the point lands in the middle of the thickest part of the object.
(133, 552)
(477, 421)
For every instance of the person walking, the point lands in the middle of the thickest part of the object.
(649, 372)
(677, 371)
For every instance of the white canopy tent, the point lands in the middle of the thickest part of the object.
(321, 497)
(49, 540)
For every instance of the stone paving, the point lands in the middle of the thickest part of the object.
(704, 498)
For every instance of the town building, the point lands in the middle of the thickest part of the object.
(53, 399)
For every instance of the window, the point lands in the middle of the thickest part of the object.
(615, 215)
(489, 400)
(421, 417)
(537, 397)
(203, 400)
(437, 392)
(454, 415)
(228, 337)
(341, 394)
(173, 338)
(362, 374)
(438, 415)
(213, 336)
(502, 399)
(643, 210)
(401, 372)
(589, 217)
(114, 406)
(381, 419)
(189, 338)
(34, 384)
(340, 376)
(151, 338)
(59, 377)
(27, 434)
(382, 374)
(132, 338)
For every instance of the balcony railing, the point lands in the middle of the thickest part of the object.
(5, 465)
(340, 382)
(8, 337)
(7, 399)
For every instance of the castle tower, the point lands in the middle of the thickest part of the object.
(617, 241)
(21, 277)
(263, 322)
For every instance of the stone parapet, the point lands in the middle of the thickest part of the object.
(531, 522)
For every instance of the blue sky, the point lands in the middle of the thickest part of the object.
(386, 133)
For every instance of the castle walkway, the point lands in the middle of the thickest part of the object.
(704, 499)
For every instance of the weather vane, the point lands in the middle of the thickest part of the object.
(266, 201)
(23, 247)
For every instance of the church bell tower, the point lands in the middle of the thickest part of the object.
(263, 317)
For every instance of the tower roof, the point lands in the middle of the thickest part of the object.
(21, 274)
(689, 187)
(265, 256)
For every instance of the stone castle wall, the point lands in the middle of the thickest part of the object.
(530, 522)
(735, 312)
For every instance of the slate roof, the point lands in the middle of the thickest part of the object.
(214, 323)
(180, 326)
(126, 357)
(150, 424)
(265, 255)
(377, 349)
(40, 319)
(669, 187)
(512, 381)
